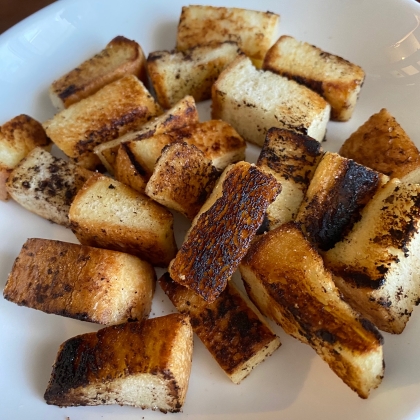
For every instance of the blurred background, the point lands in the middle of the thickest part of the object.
(13, 11)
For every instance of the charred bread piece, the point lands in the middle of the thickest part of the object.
(46, 185)
(253, 101)
(108, 214)
(337, 80)
(286, 279)
(180, 115)
(339, 190)
(176, 74)
(252, 30)
(17, 138)
(120, 57)
(143, 364)
(182, 180)
(383, 145)
(231, 328)
(292, 159)
(377, 264)
(222, 231)
(219, 142)
(81, 282)
(119, 107)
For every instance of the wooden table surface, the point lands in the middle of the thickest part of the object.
(13, 11)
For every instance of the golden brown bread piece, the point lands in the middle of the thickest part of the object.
(17, 138)
(333, 77)
(46, 185)
(108, 214)
(292, 159)
(180, 115)
(383, 145)
(182, 180)
(338, 191)
(252, 30)
(253, 101)
(120, 107)
(377, 264)
(81, 282)
(231, 328)
(175, 74)
(223, 230)
(219, 142)
(143, 364)
(120, 57)
(286, 279)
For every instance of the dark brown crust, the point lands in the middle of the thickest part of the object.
(114, 353)
(330, 216)
(290, 165)
(222, 234)
(228, 328)
(296, 299)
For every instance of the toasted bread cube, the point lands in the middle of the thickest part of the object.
(222, 231)
(333, 77)
(339, 190)
(17, 138)
(252, 30)
(46, 185)
(253, 101)
(182, 180)
(377, 264)
(292, 159)
(181, 115)
(383, 145)
(143, 364)
(231, 328)
(176, 74)
(90, 284)
(120, 57)
(119, 107)
(219, 142)
(285, 277)
(108, 214)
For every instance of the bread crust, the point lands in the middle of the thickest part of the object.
(120, 57)
(81, 282)
(231, 217)
(143, 364)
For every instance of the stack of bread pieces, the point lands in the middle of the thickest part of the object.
(327, 244)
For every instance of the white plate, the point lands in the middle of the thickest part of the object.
(380, 35)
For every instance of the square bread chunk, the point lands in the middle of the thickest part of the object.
(176, 74)
(120, 57)
(252, 30)
(46, 185)
(232, 329)
(377, 265)
(253, 101)
(222, 231)
(292, 159)
(119, 107)
(333, 77)
(286, 279)
(180, 115)
(17, 138)
(337, 193)
(182, 180)
(383, 145)
(220, 143)
(90, 284)
(143, 364)
(108, 214)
